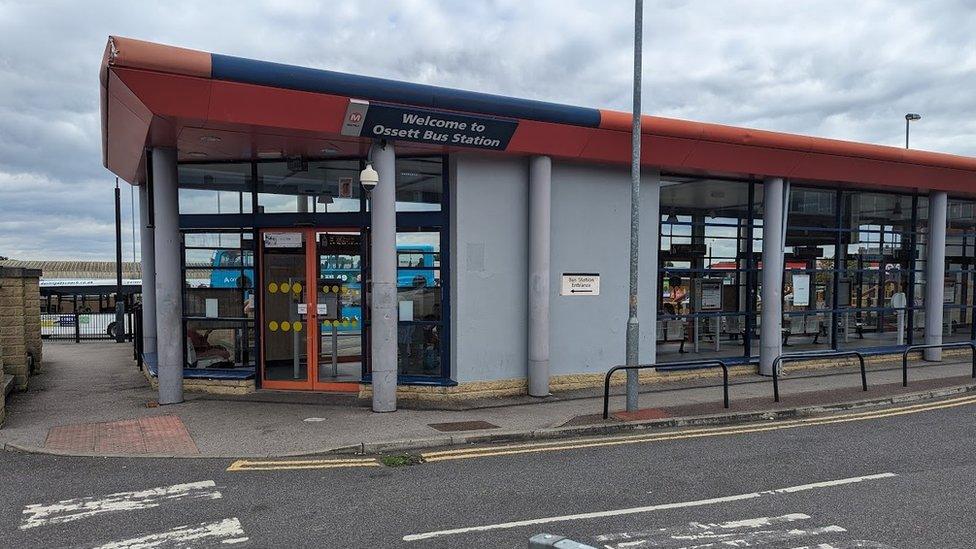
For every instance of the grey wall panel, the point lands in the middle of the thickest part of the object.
(489, 231)
(590, 234)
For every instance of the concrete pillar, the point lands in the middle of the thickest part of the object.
(383, 310)
(650, 250)
(169, 278)
(775, 196)
(148, 274)
(935, 249)
(540, 205)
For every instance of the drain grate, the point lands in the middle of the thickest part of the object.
(462, 426)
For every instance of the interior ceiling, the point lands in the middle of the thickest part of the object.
(701, 193)
(196, 144)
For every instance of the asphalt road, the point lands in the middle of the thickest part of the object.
(905, 480)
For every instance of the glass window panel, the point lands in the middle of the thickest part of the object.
(301, 186)
(703, 259)
(219, 344)
(419, 184)
(214, 188)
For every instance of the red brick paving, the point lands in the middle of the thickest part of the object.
(148, 435)
(644, 413)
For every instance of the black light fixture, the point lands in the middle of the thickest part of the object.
(910, 117)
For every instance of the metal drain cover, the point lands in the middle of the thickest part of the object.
(462, 426)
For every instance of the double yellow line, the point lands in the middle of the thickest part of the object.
(280, 465)
(555, 446)
(560, 445)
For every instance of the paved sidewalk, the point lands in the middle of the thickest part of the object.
(91, 399)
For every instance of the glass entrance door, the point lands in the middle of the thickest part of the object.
(339, 303)
(311, 309)
(285, 308)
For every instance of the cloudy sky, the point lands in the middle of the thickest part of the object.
(841, 69)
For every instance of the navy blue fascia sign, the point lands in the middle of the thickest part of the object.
(399, 123)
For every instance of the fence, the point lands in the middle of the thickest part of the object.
(663, 368)
(904, 355)
(80, 327)
(793, 357)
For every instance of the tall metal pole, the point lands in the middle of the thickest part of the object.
(633, 326)
(907, 120)
(132, 218)
(119, 305)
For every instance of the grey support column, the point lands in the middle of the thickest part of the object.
(148, 274)
(540, 201)
(383, 319)
(651, 239)
(771, 329)
(169, 276)
(935, 249)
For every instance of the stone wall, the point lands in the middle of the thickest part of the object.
(20, 323)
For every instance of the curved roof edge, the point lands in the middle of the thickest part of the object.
(132, 53)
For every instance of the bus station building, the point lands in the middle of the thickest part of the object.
(492, 256)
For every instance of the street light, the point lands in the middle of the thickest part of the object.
(633, 326)
(908, 119)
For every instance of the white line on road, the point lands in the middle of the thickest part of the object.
(226, 532)
(74, 509)
(646, 509)
(694, 529)
(738, 533)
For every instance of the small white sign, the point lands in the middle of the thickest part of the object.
(801, 290)
(211, 308)
(303, 308)
(345, 187)
(580, 284)
(406, 311)
(283, 240)
(710, 294)
(322, 308)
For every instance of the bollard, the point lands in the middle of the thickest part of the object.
(542, 541)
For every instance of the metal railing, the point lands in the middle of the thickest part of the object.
(84, 326)
(665, 366)
(910, 348)
(778, 361)
(137, 342)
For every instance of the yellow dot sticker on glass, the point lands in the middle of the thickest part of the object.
(335, 289)
(272, 287)
(325, 289)
(273, 325)
(296, 287)
(297, 326)
(285, 287)
(335, 323)
(285, 325)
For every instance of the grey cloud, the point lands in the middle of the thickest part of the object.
(833, 68)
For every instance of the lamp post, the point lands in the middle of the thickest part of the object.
(908, 119)
(633, 326)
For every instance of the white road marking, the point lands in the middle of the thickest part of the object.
(707, 527)
(74, 509)
(226, 532)
(738, 533)
(646, 509)
(848, 545)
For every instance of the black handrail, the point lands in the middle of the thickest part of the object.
(720, 363)
(137, 341)
(815, 354)
(910, 348)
